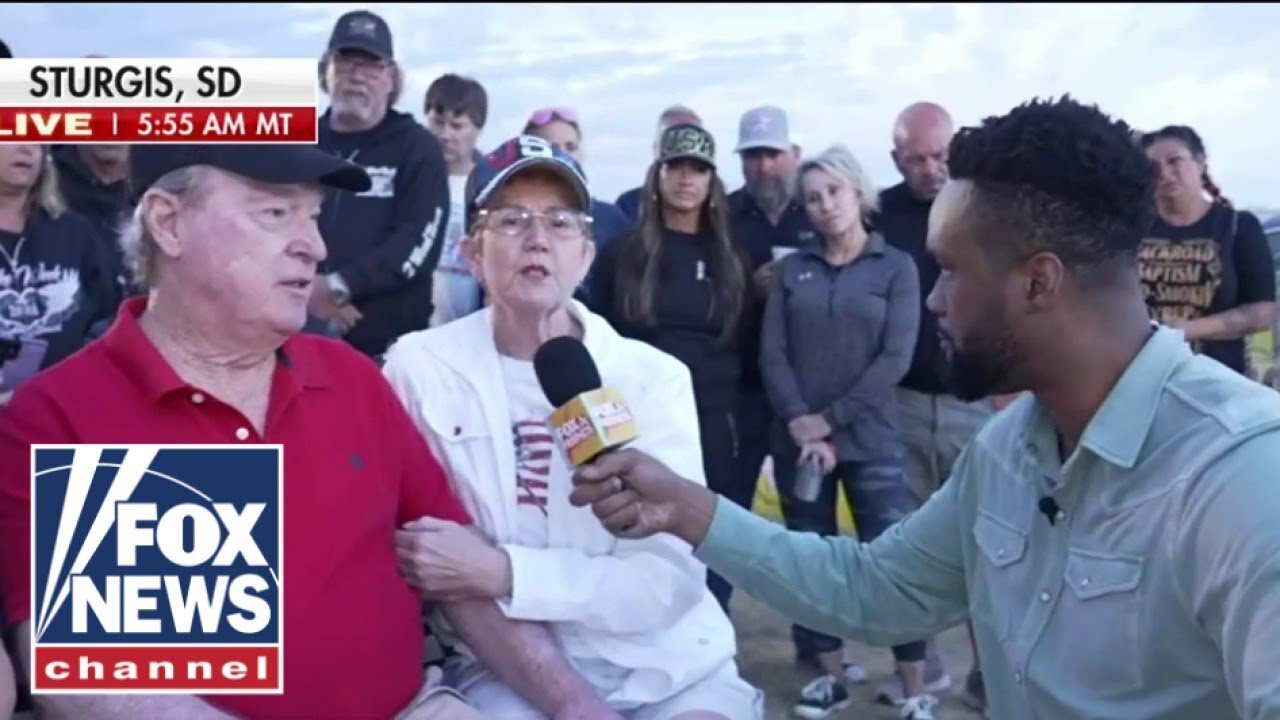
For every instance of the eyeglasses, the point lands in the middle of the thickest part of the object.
(354, 61)
(546, 115)
(561, 224)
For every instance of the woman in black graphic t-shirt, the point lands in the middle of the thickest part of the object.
(1205, 266)
(56, 286)
(679, 282)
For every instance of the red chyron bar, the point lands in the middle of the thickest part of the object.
(591, 423)
(151, 124)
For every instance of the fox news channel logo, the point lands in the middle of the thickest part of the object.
(157, 568)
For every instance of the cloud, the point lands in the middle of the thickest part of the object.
(841, 70)
(213, 48)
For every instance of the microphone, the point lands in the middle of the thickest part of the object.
(1049, 508)
(589, 419)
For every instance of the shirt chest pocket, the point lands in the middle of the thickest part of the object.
(464, 446)
(1000, 570)
(1101, 609)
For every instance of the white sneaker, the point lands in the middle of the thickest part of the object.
(919, 707)
(891, 691)
(855, 673)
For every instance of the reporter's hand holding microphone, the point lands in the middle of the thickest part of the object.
(635, 496)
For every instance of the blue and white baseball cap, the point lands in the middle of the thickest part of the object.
(515, 155)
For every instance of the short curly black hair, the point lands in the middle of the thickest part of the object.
(1057, 176)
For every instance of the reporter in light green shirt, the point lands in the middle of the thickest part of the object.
(1154, 592)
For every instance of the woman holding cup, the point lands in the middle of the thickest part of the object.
(839, 331)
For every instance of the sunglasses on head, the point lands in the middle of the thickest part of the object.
(546, 115)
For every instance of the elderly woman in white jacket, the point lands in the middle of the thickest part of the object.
(634, 616)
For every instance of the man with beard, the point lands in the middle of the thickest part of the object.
(383, 243)
(1112, 533)
(764, 216)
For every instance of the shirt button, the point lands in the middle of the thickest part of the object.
(1061, 516)
(242, 434)
(197, 398)
(1000, 552)
(1017, 677)
(1044, 597)
(1084, 582)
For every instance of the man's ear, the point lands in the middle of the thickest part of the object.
(1045, 276)
(160, 214)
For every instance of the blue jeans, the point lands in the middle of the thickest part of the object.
(878, 494)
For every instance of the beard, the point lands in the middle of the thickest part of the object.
(356, 105)
(985, 365)
(771, 194)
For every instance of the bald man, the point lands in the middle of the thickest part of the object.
(935, 426)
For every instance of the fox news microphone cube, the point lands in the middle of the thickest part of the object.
(591, 423)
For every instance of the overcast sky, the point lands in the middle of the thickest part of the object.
(841, 71)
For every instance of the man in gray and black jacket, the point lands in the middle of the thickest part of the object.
(383, 244)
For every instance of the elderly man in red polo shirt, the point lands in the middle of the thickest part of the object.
(225, 240)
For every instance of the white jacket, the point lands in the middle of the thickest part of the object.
(639, 604)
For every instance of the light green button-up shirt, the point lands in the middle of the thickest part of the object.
(1155, 595)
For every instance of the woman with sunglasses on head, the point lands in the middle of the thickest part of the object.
(560, 127)
(1205, 266)
(679, 282)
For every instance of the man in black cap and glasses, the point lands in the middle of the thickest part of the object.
(225, 242)
(384, 243)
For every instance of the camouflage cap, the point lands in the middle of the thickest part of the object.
(687, 141)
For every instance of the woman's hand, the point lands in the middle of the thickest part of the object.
(445, 561)
(809, 428)
(821, 452)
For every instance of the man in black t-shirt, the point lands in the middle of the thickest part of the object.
(935, 425)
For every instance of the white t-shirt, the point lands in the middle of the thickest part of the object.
(540, 466)
(454, 292)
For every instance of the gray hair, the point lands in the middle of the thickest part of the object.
(136, 242)
(397, 78)
(837, 160)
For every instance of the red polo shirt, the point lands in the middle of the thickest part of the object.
(355, 468)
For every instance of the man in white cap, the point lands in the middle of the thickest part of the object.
(768, 222)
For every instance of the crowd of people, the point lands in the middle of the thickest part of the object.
(383, 296)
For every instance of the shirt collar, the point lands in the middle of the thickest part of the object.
(134, 352)
(1118, 429)
(814, 246)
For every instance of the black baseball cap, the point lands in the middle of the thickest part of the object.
(492, 171)
(277, 164)
(365, 31)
